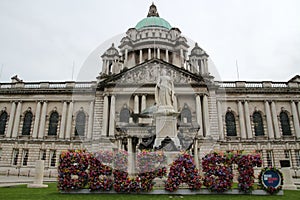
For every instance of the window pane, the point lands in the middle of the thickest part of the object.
(3, 120)
(43, 154)
(297, 154)
(258, 124)
(285, 123)
(27, 123)
(53, 123)
(287, 154)
(230, 124)
(15, 156)
(25, 157)
(53, 158)
(125, 115)
(80, 124)
(270, 158)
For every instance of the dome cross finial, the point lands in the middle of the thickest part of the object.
(153, 11)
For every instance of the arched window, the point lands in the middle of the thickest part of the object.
(230, 124)
(285, 123)
(258, 124)
(125, 114)
(80, 124)
(186, 114)
(3, 120)
(53, 123)
(27, 123)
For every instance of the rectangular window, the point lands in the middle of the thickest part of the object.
(52, 158)
(287, 154)
(270, 158)
(43, 154)
(15, 156)
(25, 157)
(0, 153)
(297, 154)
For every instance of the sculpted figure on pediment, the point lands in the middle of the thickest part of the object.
(150, 74)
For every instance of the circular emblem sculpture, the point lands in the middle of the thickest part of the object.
(271, 179)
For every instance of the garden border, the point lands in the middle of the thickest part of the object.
(177, 192)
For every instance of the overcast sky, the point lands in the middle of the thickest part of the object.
(42, 40)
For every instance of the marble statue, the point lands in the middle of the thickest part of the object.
(164, 90)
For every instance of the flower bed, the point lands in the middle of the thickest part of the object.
(79, 169)
(217, 168)
(72, 173)
(183, 170)
(246, 172)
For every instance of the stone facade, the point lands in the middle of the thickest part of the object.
(40, 119)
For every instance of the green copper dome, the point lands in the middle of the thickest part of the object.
(153, 21)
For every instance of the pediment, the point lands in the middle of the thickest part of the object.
(148, 73)
(295, 79)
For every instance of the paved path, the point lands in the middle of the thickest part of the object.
(6, 181)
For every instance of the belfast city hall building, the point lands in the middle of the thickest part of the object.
(155, 91)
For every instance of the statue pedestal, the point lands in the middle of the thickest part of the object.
(166, 126)
(39, 176)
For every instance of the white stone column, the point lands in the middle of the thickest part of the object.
(126, 55)
(63, 121)
(91, 119)
(107, 67)
(241, 120)
(196, 155)
(130, 156)
(36, 120)
(144, 103)
(104, 66)
(206, 66)
(269, 120)
(206, 128)
(158, 53)
(112, 115)
(167, 55)
(120, 144)
(11, 119)
(175, 103)
(199, 114)
(149, 54)
(105, 116)
(275, 120)
(141, 56)
(298, 105)
(17, 120)
(295, 119)
(69, 121)
(248, 121)
(220, 120)
(136, 104)
(181, 58)
(43, 120)
(199, 66)
(202, 67)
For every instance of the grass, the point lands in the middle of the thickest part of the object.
(22, 192)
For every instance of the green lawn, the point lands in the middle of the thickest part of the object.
(22, 192)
